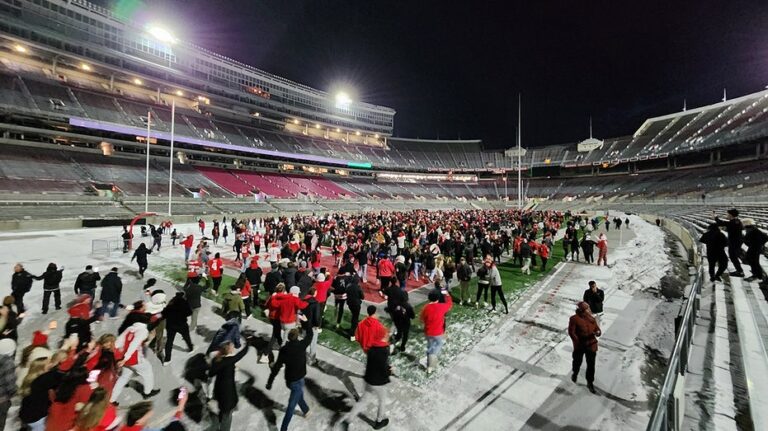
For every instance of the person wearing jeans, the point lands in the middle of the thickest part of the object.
(433, 316)
(294, 356)
(584, 330)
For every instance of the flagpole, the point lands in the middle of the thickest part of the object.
(146, 179)
(170, 175)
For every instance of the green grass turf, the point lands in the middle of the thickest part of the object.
(465, 324)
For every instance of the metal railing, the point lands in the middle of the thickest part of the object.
(667, 415)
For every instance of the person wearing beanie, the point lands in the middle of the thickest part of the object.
(8, 386)
(584, 330)
(377, 372)
(433, 317)
(111, 290)
(86, 282)
(735, 239)
(51, 280)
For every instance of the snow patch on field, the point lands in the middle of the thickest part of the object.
(639, 265)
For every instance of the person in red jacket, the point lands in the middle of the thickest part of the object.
(544, 255)
(321, 287)
(433, 316)
(287, 306)
(215, 268)
(386, 271)
(188, 242)
(368, 330)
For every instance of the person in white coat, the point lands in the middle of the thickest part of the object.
(130, 351)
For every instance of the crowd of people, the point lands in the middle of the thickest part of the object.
(87, 374)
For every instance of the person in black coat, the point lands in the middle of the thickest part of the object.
(594, 296)
(311, 323)
(755, 240)
(176, 313)
(21, 283)
(289, 275)
(305, 282)
(111, 289)
(588, 247)
(141, 258)
(273, 278)
(716, 243)
(194, 292)
(293, 356)
(86, 282)
(401, 317)
(354, 302)
(225, 389)
(254, 273)
(735, 240)
(51, 281)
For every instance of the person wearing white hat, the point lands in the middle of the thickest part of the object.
(8, 386)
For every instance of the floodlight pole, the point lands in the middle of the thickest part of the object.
(519, 155)
(146, 179)
(170, 169)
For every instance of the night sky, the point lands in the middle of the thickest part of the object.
(453, 69)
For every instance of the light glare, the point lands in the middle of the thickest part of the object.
(343, 100)
(20, 48)
(161, 34)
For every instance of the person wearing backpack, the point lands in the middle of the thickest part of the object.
(755, 240)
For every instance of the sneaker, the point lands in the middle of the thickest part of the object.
(306, 414)
(712, 279)
(381, 424)
(736, 274)
(352, 338)
(718, 278)
(319, 330)
(165, 364)
(574, 376)
(749, 279)
(430, 370)
(591, 388)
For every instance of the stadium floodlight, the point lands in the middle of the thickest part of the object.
(376, 136)
(343, 100)
(179, 93)
(317, 126)
(161, 34)
(138, 81)
(357, 133)
(256, 114)
(295, 121)
(85, 67)
(20, 49)
(338, 130)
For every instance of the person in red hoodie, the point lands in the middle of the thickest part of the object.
(215, 268)
(139, 416)
(369, 329)
(287, 306)
(433, 316)
(544, 255)
(386, 271)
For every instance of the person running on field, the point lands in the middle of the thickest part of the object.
(377, 372)
(433, 317)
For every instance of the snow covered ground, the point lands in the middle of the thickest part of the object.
(516, 377)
